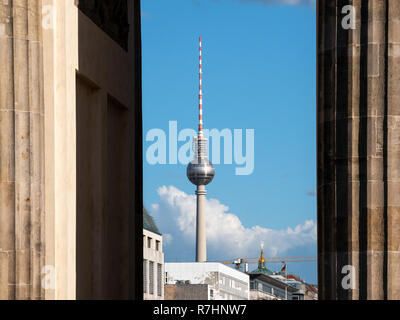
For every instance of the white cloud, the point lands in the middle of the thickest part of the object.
(226, 236)
(167, 238)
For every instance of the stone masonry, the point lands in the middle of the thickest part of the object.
(359, 150)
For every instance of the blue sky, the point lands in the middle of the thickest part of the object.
(259, 66)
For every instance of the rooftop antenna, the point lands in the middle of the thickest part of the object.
(200, 93)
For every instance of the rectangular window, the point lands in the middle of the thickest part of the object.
(279, 293)
(158, 245)
(151, 277)
(149, 242)
(266, 288)
(159, 279)
(144, 276)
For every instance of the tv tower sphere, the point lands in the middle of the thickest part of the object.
(200, 171)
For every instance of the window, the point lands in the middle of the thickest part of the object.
(159, 279)
(144, 276)
(149, 242)
(158, 245)
(212, 293)
(266, 288)
(151, 277)
(280, 293)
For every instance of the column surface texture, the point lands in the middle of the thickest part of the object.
(21, 150)
(358, 124)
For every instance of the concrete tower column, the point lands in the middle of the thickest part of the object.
(201, 247)
(359, 150)
(21, 150)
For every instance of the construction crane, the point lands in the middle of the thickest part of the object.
(238, 262)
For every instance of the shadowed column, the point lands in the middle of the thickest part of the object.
(358, 150)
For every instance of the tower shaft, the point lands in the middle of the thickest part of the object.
(200, 172)
(201, 248)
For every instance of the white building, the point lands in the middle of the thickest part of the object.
(153, 260)
(224, 282)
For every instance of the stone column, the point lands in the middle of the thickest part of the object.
(359, 150)
(21, 150)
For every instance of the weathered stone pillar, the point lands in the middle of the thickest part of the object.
(359, 150)
(21, 150)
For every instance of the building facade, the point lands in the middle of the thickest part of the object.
(187, 291)
(153, 260)
(305, 291)
(224, 282)
(265, 287)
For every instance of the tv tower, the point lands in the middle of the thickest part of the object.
(200, 172)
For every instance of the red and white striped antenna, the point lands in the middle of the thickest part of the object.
(200, 97)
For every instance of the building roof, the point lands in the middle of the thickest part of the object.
(309, 286)
(276, 282)
(148, 222)
(262, 269)
(187, 270)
